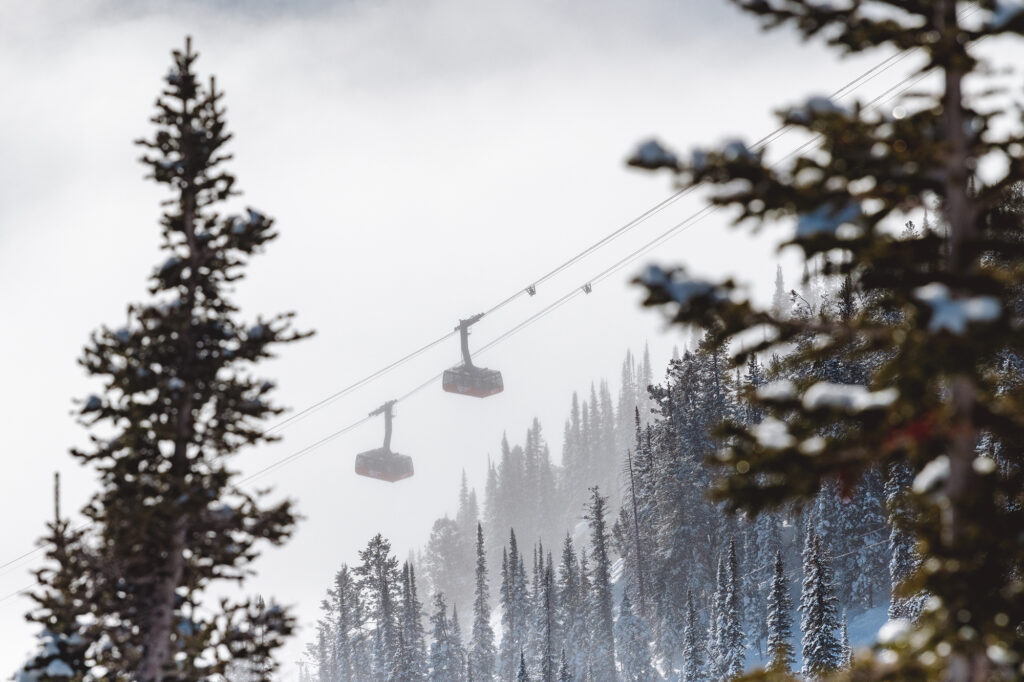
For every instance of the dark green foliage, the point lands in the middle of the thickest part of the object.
(178, 401)
(938, 318)
(63, 603)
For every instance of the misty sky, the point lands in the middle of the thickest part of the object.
(423, 160)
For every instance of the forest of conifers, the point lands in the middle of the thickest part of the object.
(532, 568)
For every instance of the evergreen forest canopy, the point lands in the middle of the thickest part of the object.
(861, 442)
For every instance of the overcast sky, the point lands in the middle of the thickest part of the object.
(424, 160)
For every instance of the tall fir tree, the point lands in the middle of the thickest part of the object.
(819, 613)
(447, 563)
(781, 654)
(603, 637)
(514, 609)
(587, 641)
(633, 644)
(780, 297)
(716, 648)
(482, 650)
(903, 558)
(63, 603)
(445, 662)
(458, 647)
(846, 659)
(411, 665)
(731, 646)
(179, 402)
(564, 671)
(549, 625)
(694, 667)
(379, 581)
(522, 675)
(572, 609)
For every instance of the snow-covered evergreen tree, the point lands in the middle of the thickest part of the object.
(903, 558)
(781, 654)
(572, 609)
(447, 561)
(564, 671)
(846, 658)
(716, 653)
(411, 663)
(633, 644)
(522, 675)
(458, 647)
(549, 625)
(446, 664)
(514, 609)
(603, 637)
(482, 650)
(780, 298)
(731, 646)
(819, 613)
(379, 582)
(694, 666)
(62, 604)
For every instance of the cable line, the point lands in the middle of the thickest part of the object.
(763, 142)
(298, 416)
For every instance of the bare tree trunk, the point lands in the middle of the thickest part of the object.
(157, 651)
(962, 215)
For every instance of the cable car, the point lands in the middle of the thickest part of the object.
(467, 378)
(381, 463)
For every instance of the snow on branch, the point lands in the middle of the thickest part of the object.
(678, 287)
(953, 314)
(827, 219)
(849, 398)
(652, 155)
(784, 389)
(932, 475)
(814, 107)
(1004, 13)
(773, 434)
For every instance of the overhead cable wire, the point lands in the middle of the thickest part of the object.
(763, 142)
(324, 402)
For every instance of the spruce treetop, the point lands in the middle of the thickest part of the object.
(177, 400)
